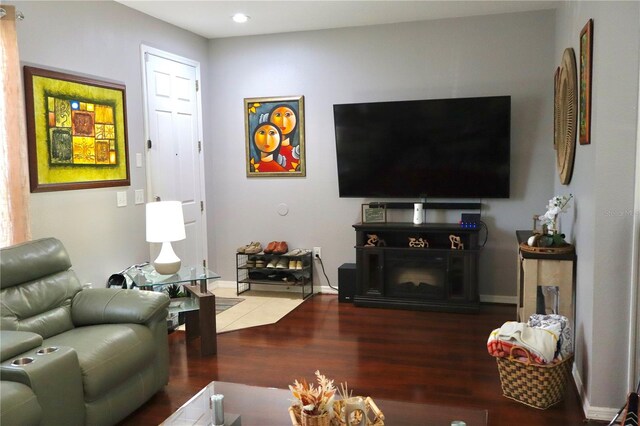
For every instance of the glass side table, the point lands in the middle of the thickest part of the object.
(199, 308)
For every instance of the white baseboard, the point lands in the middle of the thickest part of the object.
(278, 288)
(591, 412)
(224, 284)
(325, 289)
(507, 300)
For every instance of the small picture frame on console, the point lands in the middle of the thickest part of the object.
(374, 213)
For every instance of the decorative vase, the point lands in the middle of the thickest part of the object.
(355, 411)
(314, 420)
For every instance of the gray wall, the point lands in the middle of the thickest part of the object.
(481, 56)
(512, 54)
(101, 39)
(603, 184)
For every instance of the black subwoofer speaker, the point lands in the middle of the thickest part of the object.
(346, 282)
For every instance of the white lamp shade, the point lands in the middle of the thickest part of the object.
(165, 222)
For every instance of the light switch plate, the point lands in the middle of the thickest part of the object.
(139, 196)
(122, 198)
(138, 159)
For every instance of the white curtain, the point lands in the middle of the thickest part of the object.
(14, 180)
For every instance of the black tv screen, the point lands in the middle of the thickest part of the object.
(439, 148)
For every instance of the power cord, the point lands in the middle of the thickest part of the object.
(325, 274)
(486, 235)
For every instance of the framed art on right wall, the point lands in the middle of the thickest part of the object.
(586, 52)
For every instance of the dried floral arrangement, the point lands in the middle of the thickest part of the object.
(314, 400)
(320, 400)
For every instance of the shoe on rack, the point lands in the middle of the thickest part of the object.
(292, 264)
(295, 252)
(282, 263)
(299, 264)
(260, 262)
(281, 248)
(243, 249)
(253, 248)
(273, 262)
(270, 247)
(251, 262)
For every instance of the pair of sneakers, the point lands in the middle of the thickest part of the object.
(284, 263)
(278, 263)
(256, 262)
(251, 248)
(295, 264)
(297, 252)
(276, 247)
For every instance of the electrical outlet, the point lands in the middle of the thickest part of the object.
(317, 252)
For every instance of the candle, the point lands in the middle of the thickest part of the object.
(218, 412)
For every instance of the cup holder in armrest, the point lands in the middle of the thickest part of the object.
(22, 361)
(47, 350)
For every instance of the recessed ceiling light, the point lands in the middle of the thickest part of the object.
(240, 18)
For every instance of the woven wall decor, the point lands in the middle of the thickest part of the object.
(566, 116)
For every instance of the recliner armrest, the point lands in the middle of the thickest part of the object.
(13, 343)
(104, 305)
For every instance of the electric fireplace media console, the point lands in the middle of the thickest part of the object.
(431, 266)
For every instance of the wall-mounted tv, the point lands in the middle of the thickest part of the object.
(437, 148)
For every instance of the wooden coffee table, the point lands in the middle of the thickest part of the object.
(260, 406)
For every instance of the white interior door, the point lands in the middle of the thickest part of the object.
(174, 149)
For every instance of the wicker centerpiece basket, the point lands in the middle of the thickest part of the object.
(536, 385)
(374, 417)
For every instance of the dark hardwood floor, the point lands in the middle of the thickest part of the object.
(428, 357)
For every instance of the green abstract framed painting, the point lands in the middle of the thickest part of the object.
(274, 137)
(76, 131)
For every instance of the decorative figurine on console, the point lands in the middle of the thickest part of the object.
(418, 242)
(456, 243)
(374, 241)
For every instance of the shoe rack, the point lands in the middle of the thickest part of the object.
(288, 270)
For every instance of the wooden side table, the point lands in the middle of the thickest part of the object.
(202, 323)
(544, 269)
(199, 309)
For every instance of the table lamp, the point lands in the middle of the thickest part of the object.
(165, 223)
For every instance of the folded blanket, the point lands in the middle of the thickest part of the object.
(565, 341)
(502, 349)
(538, 342)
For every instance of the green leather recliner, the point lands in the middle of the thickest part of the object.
(111, 349)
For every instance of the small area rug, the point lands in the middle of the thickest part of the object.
(224, 303)
(252, 309)
(257, 308)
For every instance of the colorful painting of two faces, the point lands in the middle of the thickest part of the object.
(274, 137)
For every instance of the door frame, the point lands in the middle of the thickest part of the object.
(148, 50)
(633, 366)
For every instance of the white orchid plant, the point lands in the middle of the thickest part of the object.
(557, 205)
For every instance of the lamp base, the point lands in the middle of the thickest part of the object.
(167, 263)
(167, 268)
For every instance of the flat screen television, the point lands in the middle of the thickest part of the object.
(437, 148)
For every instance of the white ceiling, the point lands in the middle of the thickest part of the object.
(212, 18)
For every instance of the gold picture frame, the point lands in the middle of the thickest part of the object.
(374, 213)
(76, 131)
(586, 55)
(274, 137)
